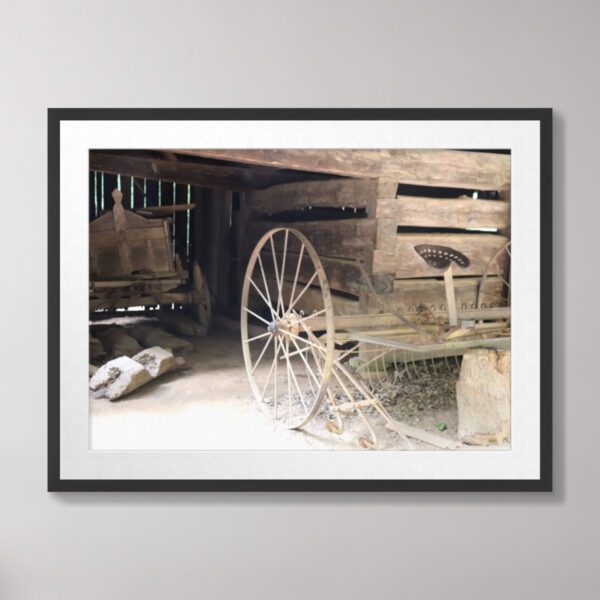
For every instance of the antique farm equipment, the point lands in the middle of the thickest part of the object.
(132, 263)
(299, 361)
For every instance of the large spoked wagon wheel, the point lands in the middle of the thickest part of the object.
(288, 351)
(496, 272)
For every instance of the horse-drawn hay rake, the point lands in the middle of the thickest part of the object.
(299, 361)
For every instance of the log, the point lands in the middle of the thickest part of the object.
(150, 335)
(443, 168)
(483, 397)
(459, 213)
(478, 248)
(118, 377)
(179, 322)
(96, 347)
(117, 341)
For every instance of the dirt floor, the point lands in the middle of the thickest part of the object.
(208, 405)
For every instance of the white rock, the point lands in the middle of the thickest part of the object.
(156, 360)
(118, 377)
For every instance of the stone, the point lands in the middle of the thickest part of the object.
(156, 360)
(118, 377)
(96, 348)
(117, 341)
(483, 397)
(179, 322)
(150, 336)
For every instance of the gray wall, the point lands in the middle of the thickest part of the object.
(394, 54)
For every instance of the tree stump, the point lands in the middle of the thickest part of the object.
(483, 397)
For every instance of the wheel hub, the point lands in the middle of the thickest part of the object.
(286, 325)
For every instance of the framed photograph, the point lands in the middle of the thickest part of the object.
(300, 299)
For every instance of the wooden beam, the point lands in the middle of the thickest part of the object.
(479, 248)
(461, 213)
(232, 178)
(331, 193)
(442, 168)
(345, 238)
(198, 174)
(160, 211)
(409, 294)
(342, 275)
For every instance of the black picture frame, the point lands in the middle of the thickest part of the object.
(56, 483)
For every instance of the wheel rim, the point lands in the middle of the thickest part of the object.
(288, 372)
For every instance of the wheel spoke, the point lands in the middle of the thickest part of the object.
(308, 367)
(311, 316)
(297, 273)
(273, 366)
(277, 346)
(305, 341)
(257, 316)
(289, 382)
(267, 302)
(302, 292)
(261, 355)
(264, 278)
(276, 272)
(291, 371)
(280, 299)
(257, 337)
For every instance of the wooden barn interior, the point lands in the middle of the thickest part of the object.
(364, 211)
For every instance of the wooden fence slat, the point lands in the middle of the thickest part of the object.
(461, 213)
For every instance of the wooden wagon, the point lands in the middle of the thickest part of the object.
(298, 360)
(132, 263)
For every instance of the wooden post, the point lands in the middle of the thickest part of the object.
(450, 297)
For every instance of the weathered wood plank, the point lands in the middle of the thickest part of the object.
(408, 295)
(346, 238)
(343, 275)
(235, 178)
(460, 213)
(478, 248)
(333, 193)
(444, 168)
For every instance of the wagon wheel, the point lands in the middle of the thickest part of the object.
(201, 295)
(288, 372)
(501, 257)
